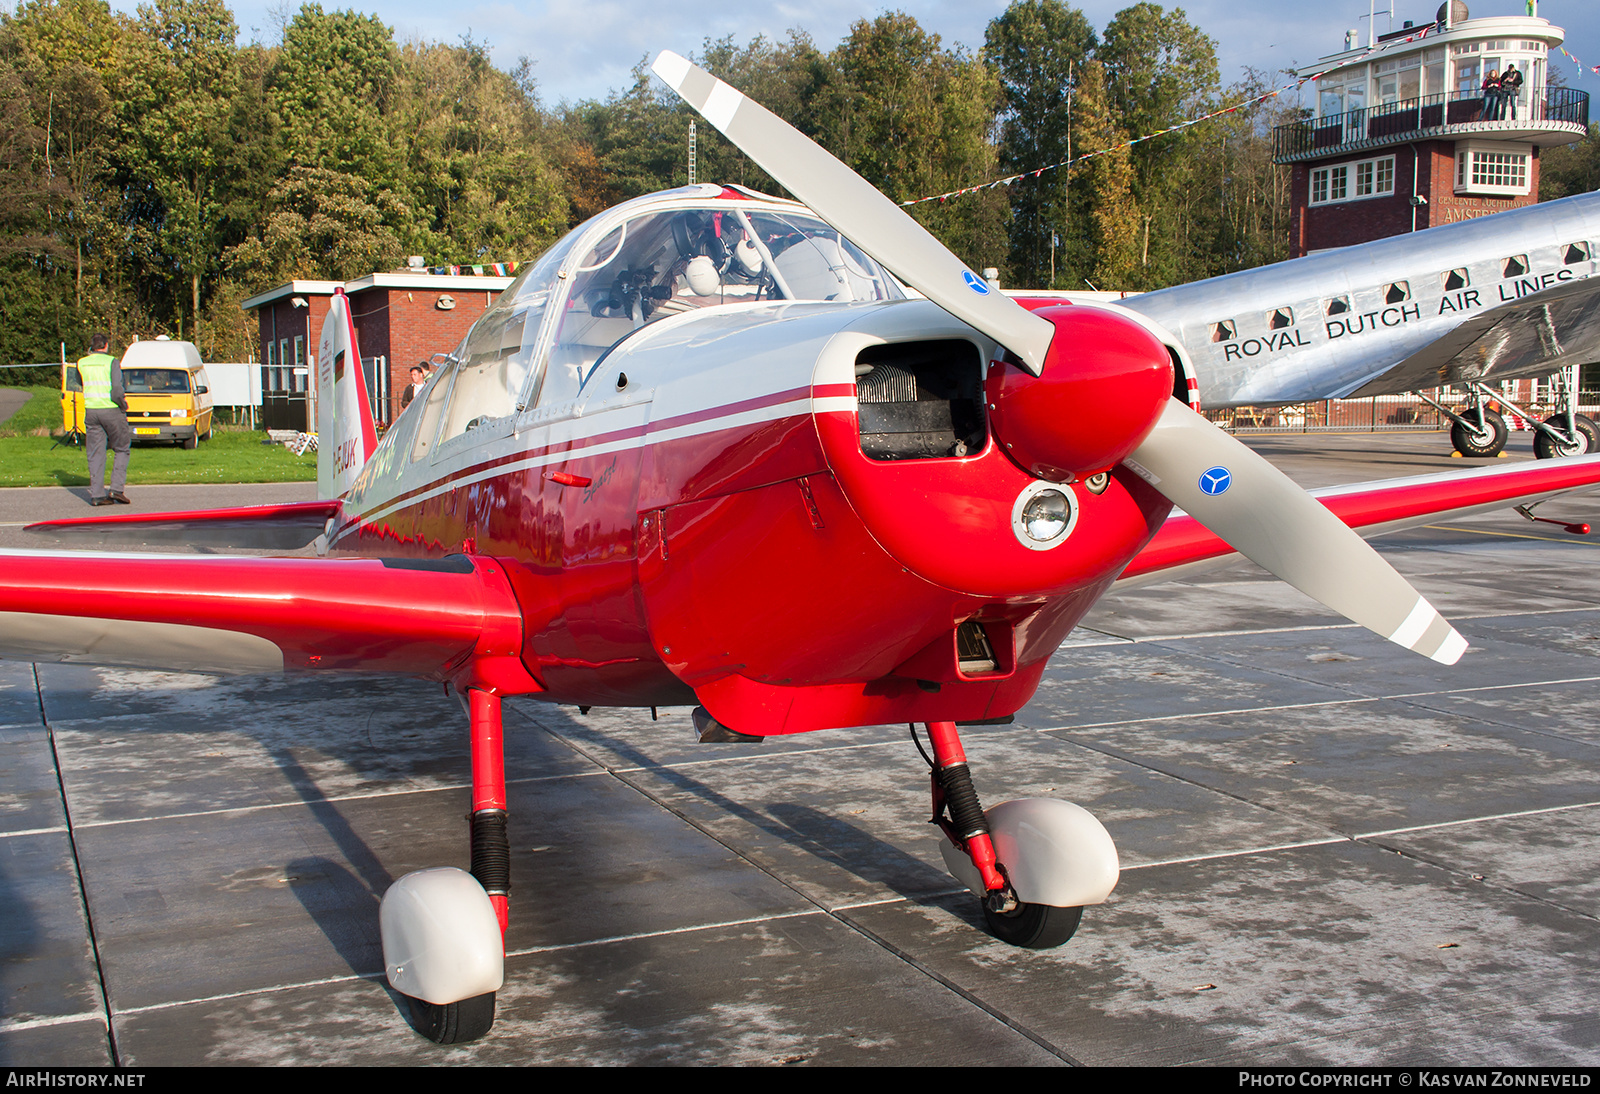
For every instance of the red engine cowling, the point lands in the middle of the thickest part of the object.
(1102, 388)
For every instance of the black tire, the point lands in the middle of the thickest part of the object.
(192, 442)
(1487, 441)
(453, 1023)
(1546, 448)
(1034, 926)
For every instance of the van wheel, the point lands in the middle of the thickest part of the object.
(192, 442)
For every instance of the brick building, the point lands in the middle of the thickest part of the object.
(401, 318)
(1404, 138)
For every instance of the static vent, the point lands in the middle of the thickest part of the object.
(920, 400)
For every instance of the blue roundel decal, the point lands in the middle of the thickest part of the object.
(1215, 481)
(975, 283)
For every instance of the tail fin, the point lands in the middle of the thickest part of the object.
(345, 434)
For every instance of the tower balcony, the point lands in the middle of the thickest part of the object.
(1551, 116)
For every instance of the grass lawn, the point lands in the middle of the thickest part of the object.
(233, 454)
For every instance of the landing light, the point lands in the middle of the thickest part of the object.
(1043, 516)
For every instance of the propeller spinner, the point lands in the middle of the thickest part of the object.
(1090, 398)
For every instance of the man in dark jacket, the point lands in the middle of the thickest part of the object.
(1510, 91)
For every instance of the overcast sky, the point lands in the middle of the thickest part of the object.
(583, 49)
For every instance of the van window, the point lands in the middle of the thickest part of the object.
(155, 381)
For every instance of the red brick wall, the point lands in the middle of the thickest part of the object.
(281, 319)
(407, 326)
(1446, 207)
(1349, 222)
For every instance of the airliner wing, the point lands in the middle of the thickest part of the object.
(1531, 336)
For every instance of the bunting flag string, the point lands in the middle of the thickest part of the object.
(1246, 104)
(487, 269)
(1581, 66)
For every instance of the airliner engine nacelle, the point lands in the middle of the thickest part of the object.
(1101, 391)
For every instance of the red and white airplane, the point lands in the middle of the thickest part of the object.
(706, 452)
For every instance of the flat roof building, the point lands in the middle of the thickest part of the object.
(401, 318)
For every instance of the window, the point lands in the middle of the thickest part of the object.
(1455, 279)
(1352, 181)
(1397, 292)
(1223, 331)
(1280, 318)
(1577, 252)
(1339, 305)
(1485, 168)
(1515, 266)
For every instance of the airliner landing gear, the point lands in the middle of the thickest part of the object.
(1033, 863)
(1480, 431)
(444, 929)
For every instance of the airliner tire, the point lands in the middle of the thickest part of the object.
(1472, 440)
(1546, 447)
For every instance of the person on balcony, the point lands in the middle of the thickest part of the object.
(1510, 91)
(1493, 99)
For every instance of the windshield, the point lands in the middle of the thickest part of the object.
(652, 265)
(155, 381)
(661, 264)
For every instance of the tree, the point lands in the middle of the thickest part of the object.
(1160, 71)
(1037, 49)
(1105, 188)
(914, 119)
(482, 181)
(174, 90)
(321, 225)
(332, 89)
(1570, 168)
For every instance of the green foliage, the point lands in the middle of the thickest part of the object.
(1571, 168)
(321, 224)
(1038, 49)
(331, 90)
(154, 173)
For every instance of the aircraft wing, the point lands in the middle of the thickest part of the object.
(454, 618)
(264, 527)
(1532, 336)
(1183, 546)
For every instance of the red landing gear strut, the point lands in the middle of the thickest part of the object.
(957, 811)
(491, 849)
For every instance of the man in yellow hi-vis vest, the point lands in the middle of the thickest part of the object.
(105, 421)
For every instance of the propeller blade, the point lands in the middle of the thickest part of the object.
(1263, 515)
(854, 206)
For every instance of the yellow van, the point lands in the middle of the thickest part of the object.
(168, 394)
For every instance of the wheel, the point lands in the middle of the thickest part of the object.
(1546, 447)
(1034, 926)
(453, 1023)
(1473, 440)
(192, 442)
